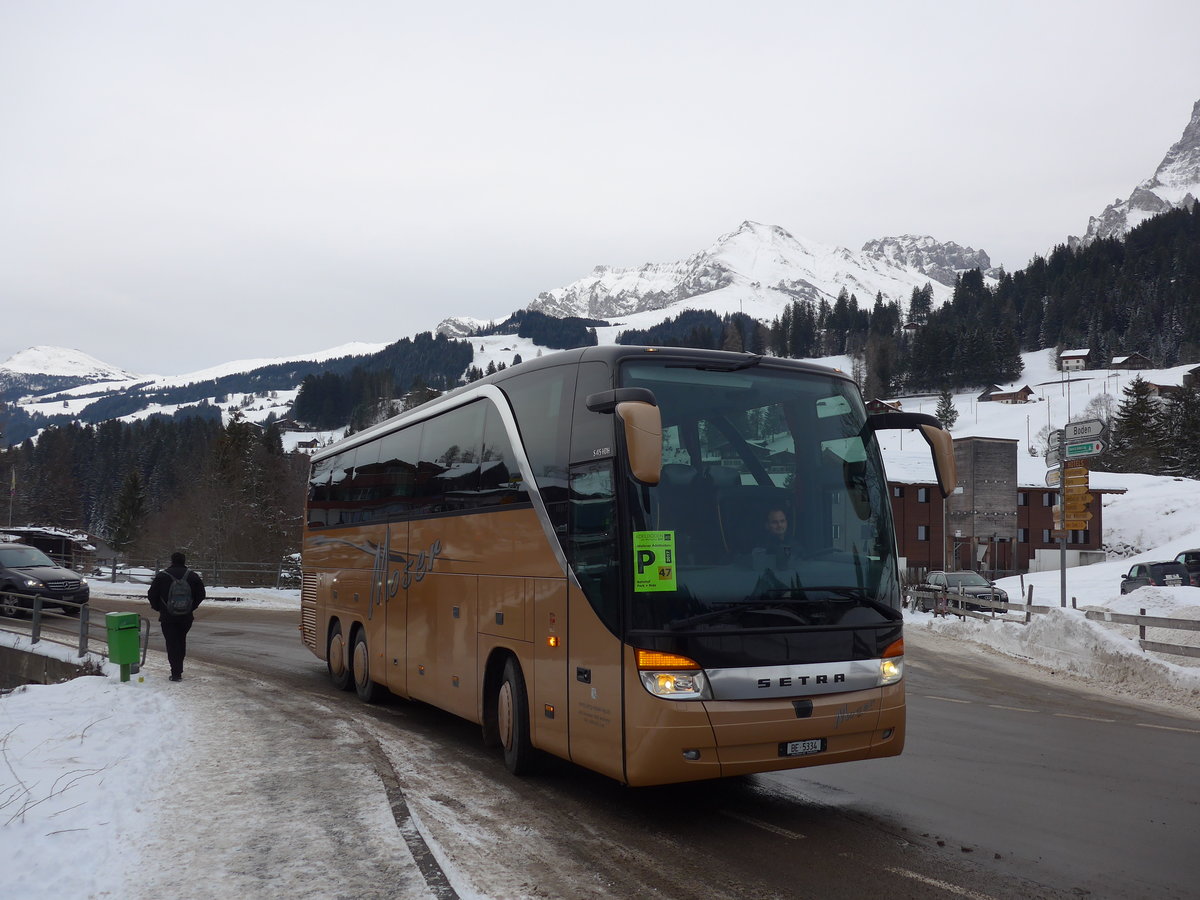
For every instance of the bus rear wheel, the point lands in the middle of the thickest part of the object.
(360, 665)
(335, 660)
(512, 720)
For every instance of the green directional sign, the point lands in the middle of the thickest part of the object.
(1082, 449)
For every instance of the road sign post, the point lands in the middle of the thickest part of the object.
(1076, 442)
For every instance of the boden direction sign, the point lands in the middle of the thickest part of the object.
(1081, 431)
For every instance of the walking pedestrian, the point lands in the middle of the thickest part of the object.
(174, 594)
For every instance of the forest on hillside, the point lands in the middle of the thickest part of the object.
(330, 390)
(219, 492)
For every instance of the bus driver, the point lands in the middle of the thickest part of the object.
(774, 548)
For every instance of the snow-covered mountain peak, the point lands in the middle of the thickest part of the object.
(1174, 184)
(63, 362)
(756, 265)
(941, 261)
(460, 326)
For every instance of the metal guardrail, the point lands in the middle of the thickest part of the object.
(216, 573)
(51, 625)
(950, 603)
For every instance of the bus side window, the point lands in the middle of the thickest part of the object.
(341, 500)
(592, 548)
(398, 457)
(542, 402)
(500, 481)
(592, 434)
(448, 471)
(364, 481)
(319, 501)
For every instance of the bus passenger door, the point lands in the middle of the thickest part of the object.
(594, 691)
(594, 597)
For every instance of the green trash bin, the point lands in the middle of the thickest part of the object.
(124, 633)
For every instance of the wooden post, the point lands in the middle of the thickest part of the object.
(1028, 603)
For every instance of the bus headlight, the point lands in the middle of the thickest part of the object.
(671, 676)
(891, 670)
(891, 667)
(676, 685)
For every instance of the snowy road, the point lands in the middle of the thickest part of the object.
(1011, 786)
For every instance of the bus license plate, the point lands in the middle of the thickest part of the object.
(802, 748)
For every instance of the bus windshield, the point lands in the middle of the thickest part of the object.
(772, 506)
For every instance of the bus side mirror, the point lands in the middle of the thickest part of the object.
(942, 447)
(642, 424)
(941, 444)
(642, 428)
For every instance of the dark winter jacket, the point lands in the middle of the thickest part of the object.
(161, 586)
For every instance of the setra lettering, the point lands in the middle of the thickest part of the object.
(801, 680)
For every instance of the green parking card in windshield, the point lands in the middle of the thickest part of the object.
(654, 561)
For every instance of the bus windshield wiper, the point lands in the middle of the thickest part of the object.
(858, 595)
(725, 610)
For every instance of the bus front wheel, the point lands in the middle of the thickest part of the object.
(360, 666)
(335, 659)
(512, 720)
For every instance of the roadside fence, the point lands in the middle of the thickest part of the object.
(216, 573)
(77, 628)
(942, 603)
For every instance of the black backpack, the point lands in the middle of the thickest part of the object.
(179, 596)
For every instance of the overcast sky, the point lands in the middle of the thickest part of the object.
(186, 183)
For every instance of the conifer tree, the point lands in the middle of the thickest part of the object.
(130, 513)
(1137, 433)
(945, 412)
(1180, 418)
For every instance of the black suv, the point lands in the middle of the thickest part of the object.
(27, 572)
(1191, 562)
(966, 583)
(1159, 574)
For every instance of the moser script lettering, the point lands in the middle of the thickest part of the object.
(845, 713)
(417, 567)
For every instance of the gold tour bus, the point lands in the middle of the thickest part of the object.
(662, 564)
